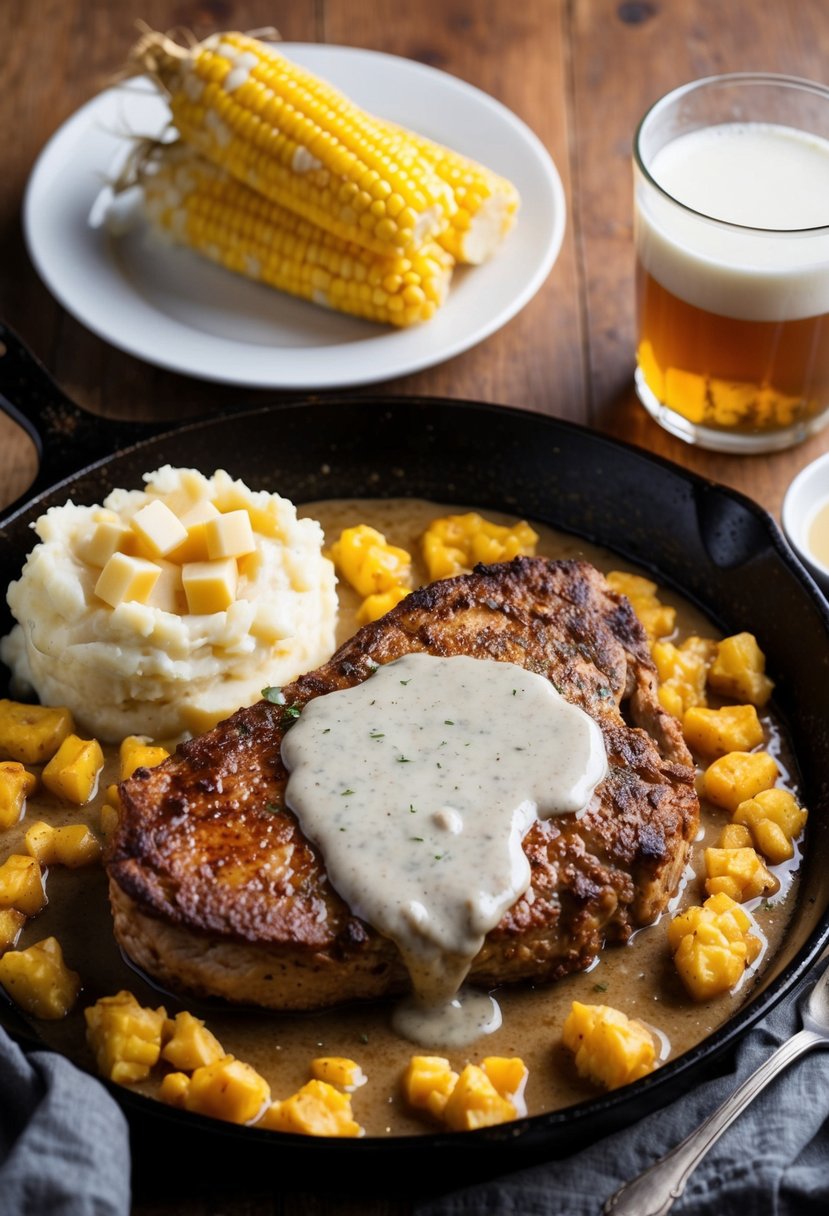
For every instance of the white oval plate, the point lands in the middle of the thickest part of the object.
(176, 310)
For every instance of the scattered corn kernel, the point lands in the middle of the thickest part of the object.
(227, 1089)
(364, 559)
(509, 1076)
(124, 579)
(109, 817)
(734, 728)
(737, 776)
(734, 836)
(375, 606)
(125, 1037)
(73, 845)
(16, 783)
(682, 672)
(21, 884)
(340, 1071)
(38, 980)
(11, 922)
(209, 586)
(32, 733)
(475, 1102)
(774, 819)
(738, 872)
(712, 946)
(188, 1044)
(73, 771)
(453, 544)
(427, 1083)
(173, 1089)
(318, 1109)
(611, 1049)
(657, 619)
(739, 670)
(136, 751)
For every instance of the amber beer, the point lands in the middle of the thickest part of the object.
(732, 283)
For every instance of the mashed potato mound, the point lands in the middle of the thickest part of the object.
(138, 669)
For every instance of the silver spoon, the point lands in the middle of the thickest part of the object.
(654, 1192)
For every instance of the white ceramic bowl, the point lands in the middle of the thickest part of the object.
(808, 491)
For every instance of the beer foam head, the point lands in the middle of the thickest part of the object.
(751, 238)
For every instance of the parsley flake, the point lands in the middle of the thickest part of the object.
(403, 760)
(376, 734)
(273, 807)
(600, 987)
(418, 839)
(345, 793)
(406, 681)
(448, 722)
(274, 695)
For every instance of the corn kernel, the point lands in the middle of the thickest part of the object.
(109, 817)
(32, 733)
(173, 1089)
(364, 559)
(21, 884)
(38, 980)
(734, 728)
(11, 922)
(774, 819)
(15, 786)
(739, 872)
(73, 771)
(227, 1089)
(125, 579)
(509, 1076)
(611, 1049)
(738, 670)
(340, 1071)
(427, 1083)
(734, 836)
(712, 946)
(188, 1044)
(124, 1036)
(453, 544)
(475, 1102)
(136, 751)
(657, 619)
(318, 1109)
(72, 846)
(737, 776)
(375, 606)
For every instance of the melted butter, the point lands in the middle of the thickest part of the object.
(418, 787)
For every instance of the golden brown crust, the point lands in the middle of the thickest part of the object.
(206, 846)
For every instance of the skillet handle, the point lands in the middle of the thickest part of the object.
(66, 437)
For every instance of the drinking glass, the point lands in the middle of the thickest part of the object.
(731, 230)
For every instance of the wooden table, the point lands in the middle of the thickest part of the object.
(579, 72)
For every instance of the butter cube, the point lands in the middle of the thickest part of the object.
(168, 593)
(72, 846)
(194, 520)
(126, 578)
(16, 783)
(158, 530)
(271, 624)
(11, 922)
(229, 535)
(108, 537)
(32, 733)
(209, 586)
(39, 981)
(73, 771)
(21, 884)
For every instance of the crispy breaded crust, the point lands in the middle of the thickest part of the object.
(215, 888)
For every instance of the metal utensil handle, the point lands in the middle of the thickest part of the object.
(653, 1193)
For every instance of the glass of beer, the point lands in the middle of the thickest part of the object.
(731, 228)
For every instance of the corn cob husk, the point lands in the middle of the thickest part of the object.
(297, 140)
(200, 206)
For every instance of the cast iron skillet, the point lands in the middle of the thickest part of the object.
(712, 544)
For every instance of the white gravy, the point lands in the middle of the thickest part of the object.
(418, 786)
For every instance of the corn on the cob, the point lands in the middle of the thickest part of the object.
(204, 208)
(486, 203)
(298, 141)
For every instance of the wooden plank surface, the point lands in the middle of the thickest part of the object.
(580, 73)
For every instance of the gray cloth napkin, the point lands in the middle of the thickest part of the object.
(64, 1148)
(773, 1161)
